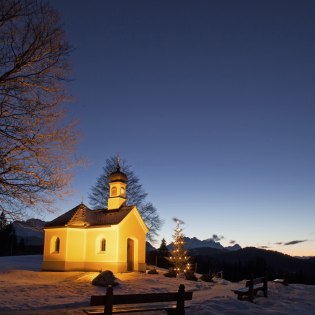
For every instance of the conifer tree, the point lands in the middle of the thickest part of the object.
(179, 258)
(163, 248)
(135, 195)
(3, 221)
(162, 255)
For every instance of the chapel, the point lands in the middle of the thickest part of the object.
(94, 240)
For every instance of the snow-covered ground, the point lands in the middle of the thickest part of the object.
(24, 289)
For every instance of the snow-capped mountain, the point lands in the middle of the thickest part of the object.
(194, 242)
(31, 231)
(234, 247)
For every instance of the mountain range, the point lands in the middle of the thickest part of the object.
(210, 257)
(194, 242)
(30, 231)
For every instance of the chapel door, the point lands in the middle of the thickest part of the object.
(130, 254)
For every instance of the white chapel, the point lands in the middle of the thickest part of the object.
(94, 240)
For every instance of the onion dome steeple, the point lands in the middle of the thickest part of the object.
(118, 175)
(117, 188)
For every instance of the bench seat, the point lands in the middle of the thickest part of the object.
(252, 287)
(133, 309)
(171, 302)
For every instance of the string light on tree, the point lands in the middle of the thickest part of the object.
(179, 257)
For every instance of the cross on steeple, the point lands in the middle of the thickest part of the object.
(118, 162)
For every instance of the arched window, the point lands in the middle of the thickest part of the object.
(57, 245)
(114, 191)
(122, 190)
(103, 245)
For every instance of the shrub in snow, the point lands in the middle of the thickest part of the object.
(190, 276)
(170, 274)
(104, 279)
(206, 278)
(152, 272)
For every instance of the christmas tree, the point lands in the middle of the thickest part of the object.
(179, 258)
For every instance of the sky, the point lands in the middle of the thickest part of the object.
(211, 102)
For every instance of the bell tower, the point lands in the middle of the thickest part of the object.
(117, 188)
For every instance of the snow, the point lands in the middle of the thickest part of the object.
(25, 289)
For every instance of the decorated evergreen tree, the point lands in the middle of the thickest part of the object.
(179, 258)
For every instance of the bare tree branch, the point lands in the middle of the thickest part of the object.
(36, 148)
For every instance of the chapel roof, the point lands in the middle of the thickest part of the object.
(82, 216)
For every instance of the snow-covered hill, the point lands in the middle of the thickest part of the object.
(24, 289)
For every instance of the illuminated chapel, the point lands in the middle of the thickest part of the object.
(93, 240)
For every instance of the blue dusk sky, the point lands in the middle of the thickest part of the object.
(211, 102)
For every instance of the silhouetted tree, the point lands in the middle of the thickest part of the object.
(135, 195)
(162, 255)
(22, 245)
(8, 241)
(163, 248)
(3, 221)
(36, 147)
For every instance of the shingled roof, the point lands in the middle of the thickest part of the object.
(82, 216)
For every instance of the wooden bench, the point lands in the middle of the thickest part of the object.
(252, 287)
(109, 300)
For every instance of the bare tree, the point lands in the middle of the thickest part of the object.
(36, 148)
(135, 195)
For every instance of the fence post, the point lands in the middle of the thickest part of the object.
(108, 306)
(180, 305)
